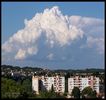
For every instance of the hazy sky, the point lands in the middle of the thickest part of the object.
(53, 35)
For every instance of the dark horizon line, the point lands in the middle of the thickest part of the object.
(49, 68)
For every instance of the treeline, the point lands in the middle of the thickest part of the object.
(18, 68)
(91, 70)
(11, 88)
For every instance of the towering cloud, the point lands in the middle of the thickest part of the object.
(58, 29)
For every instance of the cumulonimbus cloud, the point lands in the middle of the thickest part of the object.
(58, 29)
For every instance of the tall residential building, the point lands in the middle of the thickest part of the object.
(35, 84)
(46, 83)
(59, 84)
(82, 82)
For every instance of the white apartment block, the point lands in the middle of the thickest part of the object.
(82, 82)
(35, 84)
(58, 83)
(47, 82)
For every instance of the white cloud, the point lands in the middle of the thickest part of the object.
(6, 47)
(50, 56)
(90, 26)
(58, 28)
(21, 54)
(98, 42)
(32, 50)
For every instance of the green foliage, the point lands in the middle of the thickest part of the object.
(9, 88)
(88, 93)
(76, 92)
(12, 89)
(26, 85)
(23, 89)
(49, 94)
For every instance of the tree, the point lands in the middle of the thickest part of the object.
(52, 88)
(52, 92)
(88, 92)
(9, 88)
(49, 94)
(76, 92)
(26, 88)
(93, 94)
(66, 84)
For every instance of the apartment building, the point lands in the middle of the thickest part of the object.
(82, 82)
(46, 83)
(59, 84)
(35, 84)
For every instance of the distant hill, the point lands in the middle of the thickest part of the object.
(58, 70)
(18, 67)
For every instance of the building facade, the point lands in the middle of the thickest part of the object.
(35, 84)
(82, 82)
(46, 83)
(58, 83)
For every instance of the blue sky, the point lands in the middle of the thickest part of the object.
(14, 13)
